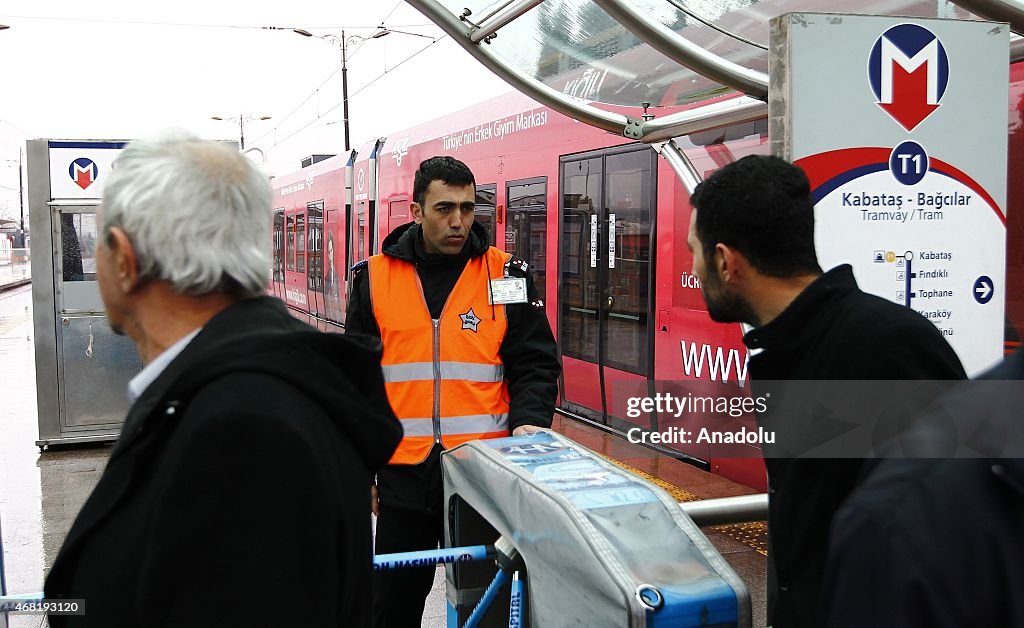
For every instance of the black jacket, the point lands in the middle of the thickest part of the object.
(528, 352)
(936, 543)
(831, 331)
(236, 495)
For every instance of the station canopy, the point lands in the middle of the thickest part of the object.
(578, 48)
(620, 64)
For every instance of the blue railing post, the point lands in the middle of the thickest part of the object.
(429, 558)
(517, 604)
(485, 601)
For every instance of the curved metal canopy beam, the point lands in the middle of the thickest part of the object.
(492, 23)
(1011, 11)
(732, 111)
(684, 52)
(607, 120)
(721, 113)
(680, 164)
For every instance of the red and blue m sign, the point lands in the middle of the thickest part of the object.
(908, 70)
(83, 171)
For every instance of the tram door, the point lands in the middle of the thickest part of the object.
(315, 258)
(278, 277)
(606, 273)
(333, 276)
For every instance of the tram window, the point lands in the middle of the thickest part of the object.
(710, 150)
(289, 227)
(628, 195)
(300, 242)
(314, 247)
(278, 245)
(526, 226)
(398, 213)
(486, 195)
(580, 289)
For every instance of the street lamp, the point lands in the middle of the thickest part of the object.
(383, 30)
(242, 119)
(342, 42)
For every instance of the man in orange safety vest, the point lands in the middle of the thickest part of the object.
(468, 354)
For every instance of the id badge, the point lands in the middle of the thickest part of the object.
(507, 290)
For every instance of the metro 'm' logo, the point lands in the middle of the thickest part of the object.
(908, 70)
(83, 171)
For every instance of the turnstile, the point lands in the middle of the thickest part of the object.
(599, 546)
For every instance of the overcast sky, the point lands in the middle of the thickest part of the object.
(118, 69)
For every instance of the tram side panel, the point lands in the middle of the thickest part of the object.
(619, 310)
(307, 203)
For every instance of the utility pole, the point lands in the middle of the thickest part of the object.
(344, 89)
(21, 200)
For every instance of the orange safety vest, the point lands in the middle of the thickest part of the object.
(444, 378)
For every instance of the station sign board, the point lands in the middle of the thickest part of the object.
(901, 126)
(78, 168)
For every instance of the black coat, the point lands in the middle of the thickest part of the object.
(528, 352)
(831, 331)
(237, 494)
(935, 543)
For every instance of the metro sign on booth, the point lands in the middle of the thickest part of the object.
(909, 71)
(83, 171)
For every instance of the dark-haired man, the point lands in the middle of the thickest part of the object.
(752, 239)
(468, 353)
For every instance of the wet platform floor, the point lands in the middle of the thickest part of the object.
(41, 493)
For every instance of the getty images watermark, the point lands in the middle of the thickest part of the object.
(826, 419)
(669, 405)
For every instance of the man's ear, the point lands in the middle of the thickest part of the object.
(417, 212)
(125, 259)
(730, 264)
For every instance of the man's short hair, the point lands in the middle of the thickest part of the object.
(448, 170)
(761, 206)
(197, 212)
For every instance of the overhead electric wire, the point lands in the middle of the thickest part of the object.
(396, 66)
(297, 107)
(382, 75)
(16, 128)
(316, 91)
(188, 24)
(392, 12)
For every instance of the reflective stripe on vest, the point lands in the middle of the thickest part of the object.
(472, 424)
(449, 370)
(444, 378)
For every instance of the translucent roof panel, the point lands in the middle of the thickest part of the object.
(576, 48)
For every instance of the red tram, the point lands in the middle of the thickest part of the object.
(602, 223)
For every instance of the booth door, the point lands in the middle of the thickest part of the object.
(94, 364)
